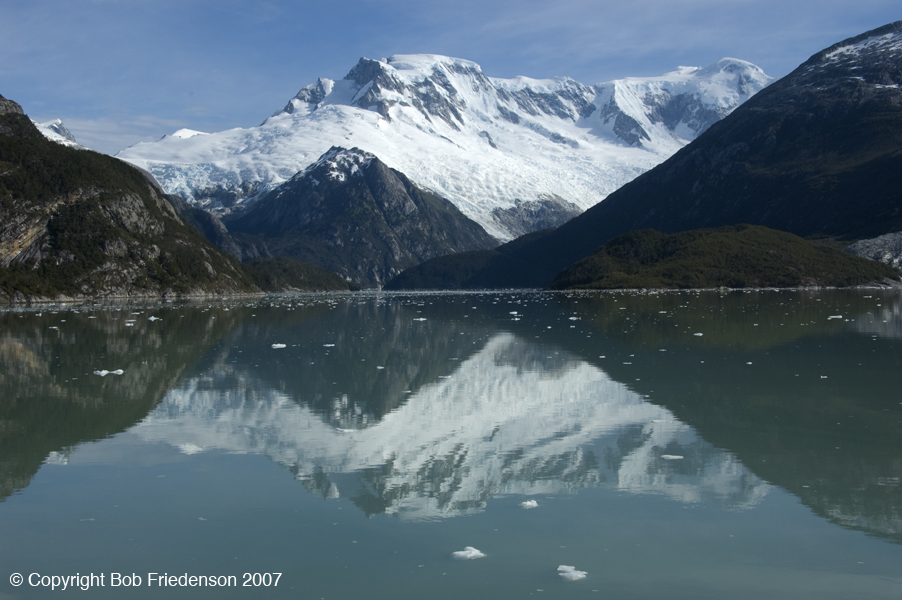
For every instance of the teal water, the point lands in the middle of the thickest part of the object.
(683, 445)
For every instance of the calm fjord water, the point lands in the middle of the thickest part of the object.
(687, 445)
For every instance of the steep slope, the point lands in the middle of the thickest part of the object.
(350, 214)
(481, 142)
(817, 153)
(77, 224)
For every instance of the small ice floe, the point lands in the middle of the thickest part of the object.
(154, 319)
(570, 573)
(834, 317)
(468, 553)
(671, 457)
(529, 504)
(420, 319)
(328, 345)
(698, 334)
(278, 346)
(104, 372)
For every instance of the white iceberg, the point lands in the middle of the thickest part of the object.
(104, 372)
(570, 573)
(277, 346)
(529, 504)
(467, 553)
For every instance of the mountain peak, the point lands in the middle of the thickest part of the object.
(338, 164)
(483, 143)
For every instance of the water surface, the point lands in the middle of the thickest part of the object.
(687, 445)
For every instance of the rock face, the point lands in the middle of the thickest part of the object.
(350, 214)
(483, 143)
(885, 248)
(816, 153)
(77, 224)
(8, 106)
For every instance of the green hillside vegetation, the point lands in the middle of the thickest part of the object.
(284, 274)
(77, 223)
(479, 269)
(742, 256)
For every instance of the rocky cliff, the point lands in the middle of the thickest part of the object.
(76, 224)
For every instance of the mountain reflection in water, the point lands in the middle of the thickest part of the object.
(490, 428)
(428, 406)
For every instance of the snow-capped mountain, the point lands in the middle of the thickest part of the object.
(350, 214)
(483, 143)
(55, 131)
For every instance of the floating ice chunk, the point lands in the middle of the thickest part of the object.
(154, 319)
(104, 372)
(671, 457)
(698, 334)
(529, 504)
(420, 319)
(328, 345)
(467, 553)
(834, 317)
(570, 573)
(277, 346)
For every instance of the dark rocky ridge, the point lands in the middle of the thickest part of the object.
(351, 214)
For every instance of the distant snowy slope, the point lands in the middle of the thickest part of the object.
(483, 143)
(55, 131)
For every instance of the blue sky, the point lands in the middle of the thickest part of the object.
(122, 71)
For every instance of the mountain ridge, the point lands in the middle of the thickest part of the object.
(483, 143)
(817, 153)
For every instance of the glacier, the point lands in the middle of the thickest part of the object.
(483, 143)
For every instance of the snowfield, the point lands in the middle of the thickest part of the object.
(483, 143)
